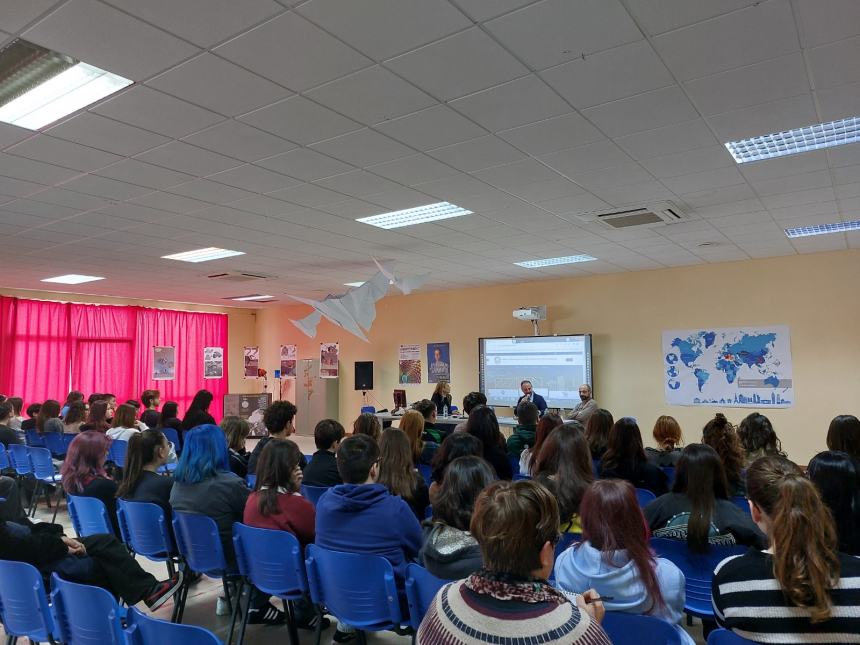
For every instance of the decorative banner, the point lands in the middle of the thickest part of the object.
(251, 356)
(737, 367)
(329, 353)
(213, 362)
(251, 407)
(163, 363)
(438, 362)
(288, 361)
(409, 364)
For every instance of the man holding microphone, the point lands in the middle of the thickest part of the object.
(530, 396)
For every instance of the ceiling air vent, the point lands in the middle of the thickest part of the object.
(237, 276)
(651, 215)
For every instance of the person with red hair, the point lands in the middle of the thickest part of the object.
(616, 560)
(84, 473)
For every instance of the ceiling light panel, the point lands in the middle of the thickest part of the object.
(823, 229)
(549, 262)
(73, 278)
(417, 215)
(256, 296)
(790, 142)
(203, 255)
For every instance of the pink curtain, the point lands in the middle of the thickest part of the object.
(48, 348)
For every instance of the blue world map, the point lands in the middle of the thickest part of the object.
(750, 350)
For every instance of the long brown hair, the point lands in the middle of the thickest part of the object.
(667, 432)
(124, 417)
(700, 476)
(720, 435)
(548, 422)
(802, 533)
(564, 466)
(412, 423)
(98, 416)
(597, 431)
(50, 409)
(278, 462)
(396, 470)
(612, 521)
(141, 451)
(625, 449)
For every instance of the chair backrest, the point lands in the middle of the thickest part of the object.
(631, 629)
(42, 463)
(23, 603)
(421, 588)
(146, 630)
(271, 560)
(368, 409)
(4, 458)
(742, 503)
(199, 543)
(426, 471)
(698, 569)
(85, 615)
(116, 452)
(313, 493)
(20, 457)
(68, 438)
(643, 496)
(670, 474)
(173, 437)
(33, 438)
(251, 480)
(89, 516)
(727, 637)
(54, 443)
(359, 589)
(145, 529)
(515, 465)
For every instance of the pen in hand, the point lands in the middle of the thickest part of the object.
(600, 598)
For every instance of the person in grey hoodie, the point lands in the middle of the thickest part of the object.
(449, 551)
(615, 558)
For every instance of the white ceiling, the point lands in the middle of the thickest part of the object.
(268, 127)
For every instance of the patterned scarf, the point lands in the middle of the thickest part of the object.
(504, 586)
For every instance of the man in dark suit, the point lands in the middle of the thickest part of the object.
(530, 396)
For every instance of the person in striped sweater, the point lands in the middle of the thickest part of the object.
(800, 590)
(509, 601)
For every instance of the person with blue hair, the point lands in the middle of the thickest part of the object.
(204, 484)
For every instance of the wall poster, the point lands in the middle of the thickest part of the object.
(409, 364)
(438, 362)
(329, 353)
(163, 363)
(251, 357)
(213, 362)
(288, 361)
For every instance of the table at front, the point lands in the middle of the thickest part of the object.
(506, 424)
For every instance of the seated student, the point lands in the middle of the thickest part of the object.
(97, 418)
(441, 397)
(616, 560)
(398, 474)
(48, 419)
(432, 432)
(458, 444)
(625, 458)
(72, 397)
(450, 552)
(837, 478)
(471, 401)
(698, 509)
(564, 467)
(168, 417)
(151, 399)
(801, 590)
(147, 452)
(322, 469)
(7, 435)
(74, 417)
(32, 414)
(721, 435)
(236, 430)
(198, 412)
(278, 419)
(369, 424)
(597, 431)
(547, 423)
(843, 434)
(204, 484)
(412, 424)
(758, 438)
(16, 419)
(509, 600)
(84, 473)
(667, 434)
(484, 425)
(124, 425)
(523, 435)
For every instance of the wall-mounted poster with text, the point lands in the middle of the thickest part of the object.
(329, 354)
(163, 363)
(409, 364)
(251, 357)
(288, 361)
(438, 362)
(213, 362)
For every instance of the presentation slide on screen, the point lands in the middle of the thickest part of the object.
(556, 366)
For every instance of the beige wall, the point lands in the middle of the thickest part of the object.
(241, 324)
(817, 296)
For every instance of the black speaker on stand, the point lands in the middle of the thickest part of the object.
(364, 377)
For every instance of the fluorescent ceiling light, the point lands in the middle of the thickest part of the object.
(823, 229)
(203, 255)
(417, 215)
(38, 86)
(358, 284)
(790, 142)
(549, 262)
(73, 278)
(256, 296)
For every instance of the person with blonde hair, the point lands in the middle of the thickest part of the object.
(667, 434)
(398, 474)
(412, 423)
(442, 397)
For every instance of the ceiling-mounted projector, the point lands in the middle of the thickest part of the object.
(530, 313)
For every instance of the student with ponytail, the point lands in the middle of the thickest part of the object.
(801, 590)
(147, 452)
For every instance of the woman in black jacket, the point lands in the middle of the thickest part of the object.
(625, 459)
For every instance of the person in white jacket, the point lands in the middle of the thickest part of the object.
(615, 558)
(126, 425)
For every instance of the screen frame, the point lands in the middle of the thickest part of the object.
(481, 359)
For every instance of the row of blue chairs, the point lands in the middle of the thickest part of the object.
(35, 464)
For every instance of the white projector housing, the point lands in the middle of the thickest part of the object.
(530, 313)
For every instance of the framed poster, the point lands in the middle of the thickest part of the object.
(438, 362)
(163, 363)
(213, 362)
(409, 364)
(329, 354)
(251, 357)
(250, 407)
(288, 361)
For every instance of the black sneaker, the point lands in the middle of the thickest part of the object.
(268, 615)
(343, 637)
(163, 591)
(311, 621)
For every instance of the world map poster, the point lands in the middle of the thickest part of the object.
(745, 367)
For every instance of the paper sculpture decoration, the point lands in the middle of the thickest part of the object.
(355, 310)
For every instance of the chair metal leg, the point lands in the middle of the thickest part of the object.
(246, 614)
(361, 637)
(290, 611)
(34, 500)
(318, 630)
(236, 606)
(62, 495)
(183, 593)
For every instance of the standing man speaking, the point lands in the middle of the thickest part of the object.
(530, 396)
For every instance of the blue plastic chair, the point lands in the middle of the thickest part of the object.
(89, 516)
(727, 637)
(272, 562)
(632, 629)
(670, 474)
(19, 456)
(34, 439)
(421, 588)
(5, 463)
(251, 481)
(173, 437)
(369, 409)
(426, 471)
(741, 502)
(644, 496)
(146, 529)
(54, 442)
(116, 452)
(68, 438)
(85, 615)
(515, 465)
(43, 471)
(313, 493)
(23, 603)
(358, 589)
(428, 512)
(698, 569)
(146, 630)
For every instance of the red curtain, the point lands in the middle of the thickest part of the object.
(48, 348)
